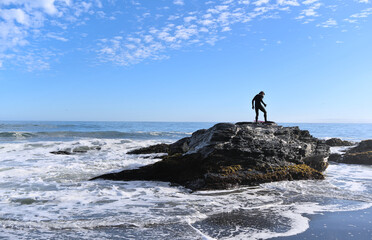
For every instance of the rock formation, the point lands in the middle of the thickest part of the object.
(76, 150)
(227, 155)
(361, 154)
(336, 142)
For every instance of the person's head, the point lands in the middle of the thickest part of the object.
(262, 93)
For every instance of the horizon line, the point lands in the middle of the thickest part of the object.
(157, 121)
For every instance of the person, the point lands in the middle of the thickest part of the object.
(257, 100)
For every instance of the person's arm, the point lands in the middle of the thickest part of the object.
(263, 102)
(253, 102)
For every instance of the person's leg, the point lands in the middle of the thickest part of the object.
(265, 113)
(257, 112)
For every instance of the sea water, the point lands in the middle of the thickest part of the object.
(48, 196)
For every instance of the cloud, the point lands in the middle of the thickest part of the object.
(363, 1)
(18, 15)
(27, 28)
(329, 23)
(207, 27)
(47, 6)
(288, 2)
(261, 2)
(361, 15)
(310, 12)
(178, 2)
(23, 22)
(57, 37)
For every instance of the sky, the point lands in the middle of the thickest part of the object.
(185, 60)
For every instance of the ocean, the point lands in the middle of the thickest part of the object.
(48, 196)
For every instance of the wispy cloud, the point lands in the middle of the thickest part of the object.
(361, 15)
(329, 23)
(179, 2)
(28, 27)
(23, 22)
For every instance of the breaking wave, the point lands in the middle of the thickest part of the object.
(63, 135)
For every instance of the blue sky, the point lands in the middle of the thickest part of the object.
(185, 60)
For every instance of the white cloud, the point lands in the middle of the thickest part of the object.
(310, 11)
(55, 36)
(261, 2)
(189, 18)
(288, 2)
(24, 21)
(207, 27)
(179, 2)
(185, 33)
(329, 23)
(48, 6)
(226, 29)
(17, 15)
(307, 2)
(363, 1)
(246, 2)
(363, 14)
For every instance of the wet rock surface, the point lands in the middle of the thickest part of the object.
(76, 150)
(361, 154)
(227, 155)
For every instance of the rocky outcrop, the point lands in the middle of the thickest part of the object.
(227, 155)
(361, 154)
(76, 150)
(336, 142)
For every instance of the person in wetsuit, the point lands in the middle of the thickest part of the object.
(257, 100)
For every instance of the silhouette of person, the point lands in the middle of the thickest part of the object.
(257, 105)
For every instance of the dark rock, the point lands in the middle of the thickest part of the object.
(334, 157)
(363, 146)
(336, 142)
(228, 154)
(357, 158)
(158, 148)
(80, 149)
(84, 149)
(62, 152)
(361, 154)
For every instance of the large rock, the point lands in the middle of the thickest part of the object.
(361, 154)
(228, 154)
(336, 142)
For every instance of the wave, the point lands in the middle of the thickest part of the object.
(96, 134)
(17, 135)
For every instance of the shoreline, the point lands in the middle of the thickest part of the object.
(337, 225)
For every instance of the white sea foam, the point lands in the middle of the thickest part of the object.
(340, 150)
(47, 193)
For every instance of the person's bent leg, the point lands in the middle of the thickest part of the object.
(265, 113)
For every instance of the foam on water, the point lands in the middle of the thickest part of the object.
(48, 196)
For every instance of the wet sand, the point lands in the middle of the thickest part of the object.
(338, 225)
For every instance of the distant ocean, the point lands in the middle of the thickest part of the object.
(47, 196)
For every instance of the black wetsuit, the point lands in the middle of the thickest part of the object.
(258, 106)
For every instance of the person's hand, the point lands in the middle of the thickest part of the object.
(265, 105)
